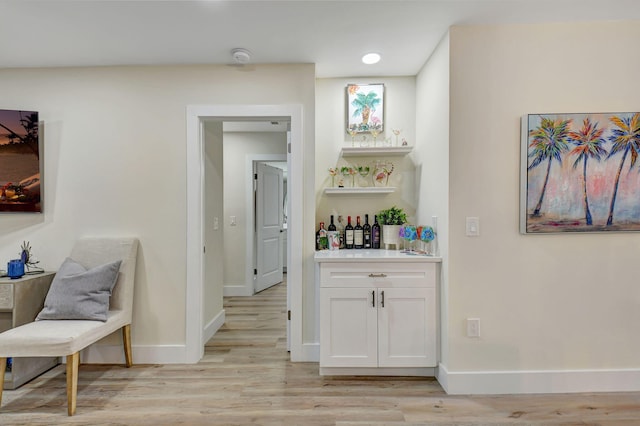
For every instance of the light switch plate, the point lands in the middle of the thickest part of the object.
(473, 327)
(473, 226)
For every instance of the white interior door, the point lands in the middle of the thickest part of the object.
(269, 215)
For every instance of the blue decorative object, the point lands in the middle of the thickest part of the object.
(15, 268)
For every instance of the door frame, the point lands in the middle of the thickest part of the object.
(251, 249)
(195, 116)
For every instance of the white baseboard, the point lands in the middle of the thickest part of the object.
(538, 381)
(213, 326)
(310, 352)
(141, 354)
(236, 290)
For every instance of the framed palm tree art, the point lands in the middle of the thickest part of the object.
(365, 108)
(579, 172)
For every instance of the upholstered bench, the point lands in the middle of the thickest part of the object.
(67, 337)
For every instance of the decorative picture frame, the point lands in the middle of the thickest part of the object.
(365, 108)
(20, 162)
(578, 173)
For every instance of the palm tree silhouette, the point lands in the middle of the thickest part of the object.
(29, 123)
(588, 141)
(548, 142)
(625, 139)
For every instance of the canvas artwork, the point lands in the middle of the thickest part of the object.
(579, 172)
(19, 162)
(365, 108)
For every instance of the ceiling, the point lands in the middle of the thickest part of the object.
(331, 34)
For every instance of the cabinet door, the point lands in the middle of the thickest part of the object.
(348, 330)
(407, 329)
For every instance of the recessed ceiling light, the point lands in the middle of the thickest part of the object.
(371, 58)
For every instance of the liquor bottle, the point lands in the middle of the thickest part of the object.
(322, 243)
(358, 235)
(331, 227)
(341, 230)
(375, 233)
(348, 234)
(367, 232)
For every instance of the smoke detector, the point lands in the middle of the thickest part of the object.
(241, 56)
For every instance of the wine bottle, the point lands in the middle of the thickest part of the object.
(375, 233)
(341, 230)
(348, 234)
(367, 232)
(358, 235)
(331, 227)
(322, 243)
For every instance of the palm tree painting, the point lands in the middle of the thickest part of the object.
(549, 141)
(626, 139)
(588, 143)
(365, 108)
(596, 189)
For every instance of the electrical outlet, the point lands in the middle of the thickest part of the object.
(232, 219)
(473, 327)
(216, 224)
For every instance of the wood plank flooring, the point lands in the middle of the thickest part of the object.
(245, 378)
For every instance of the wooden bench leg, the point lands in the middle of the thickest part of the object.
(3, 367)
(126, 341)
(73, 361)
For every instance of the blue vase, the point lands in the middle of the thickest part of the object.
(15, 268)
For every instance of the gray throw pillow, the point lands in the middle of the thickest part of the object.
(80, 294)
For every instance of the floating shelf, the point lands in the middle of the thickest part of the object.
(377, 151)
(373, 190)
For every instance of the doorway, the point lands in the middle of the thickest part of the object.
(194, 348)
(245, 146)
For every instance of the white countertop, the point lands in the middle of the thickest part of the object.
(371, 256)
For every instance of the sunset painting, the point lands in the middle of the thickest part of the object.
(580, 172)
(20, 189)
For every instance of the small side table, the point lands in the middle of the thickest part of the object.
(20, 302)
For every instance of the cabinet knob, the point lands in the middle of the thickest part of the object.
(377, 275)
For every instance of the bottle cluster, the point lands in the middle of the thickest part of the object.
(346, 235)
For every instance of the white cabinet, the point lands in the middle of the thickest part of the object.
(377, 315)
(406, 327)
(348, 328)
(381, 327)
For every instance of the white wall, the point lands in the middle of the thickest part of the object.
(432, 163)
(115, 164)
(237, 146)
(331, 137)
(548, 303)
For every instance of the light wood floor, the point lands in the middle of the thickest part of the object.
(245, 378)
